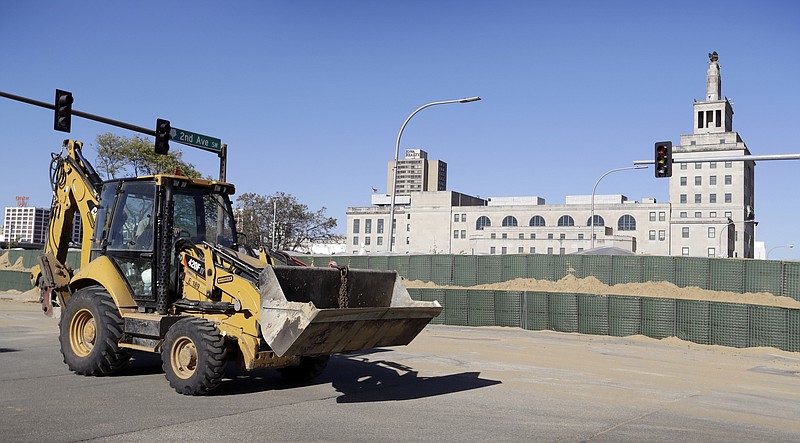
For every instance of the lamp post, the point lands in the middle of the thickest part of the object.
(730, 223)
(397, 155)
(591, 219)
(776, 247)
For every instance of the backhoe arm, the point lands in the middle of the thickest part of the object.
(76, 188)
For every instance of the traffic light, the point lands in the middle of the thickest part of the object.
(163, 129)
(63, 115)
(663, 159)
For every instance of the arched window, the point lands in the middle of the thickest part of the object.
(626, 223)
(482, 222)
(536, 220)
(566, 220)
(510, 220)
(598, 221)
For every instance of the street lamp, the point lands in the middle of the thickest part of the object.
(776, 247)
(730, 223)
(397, 155)
(595, 188)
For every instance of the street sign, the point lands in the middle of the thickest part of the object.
(197, 140)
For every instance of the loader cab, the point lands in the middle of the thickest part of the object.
(135, 216)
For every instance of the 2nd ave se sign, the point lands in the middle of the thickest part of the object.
(194, 139)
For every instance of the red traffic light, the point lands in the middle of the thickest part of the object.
(63, 107)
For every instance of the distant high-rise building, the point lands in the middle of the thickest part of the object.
(415, 173)
(26, 224)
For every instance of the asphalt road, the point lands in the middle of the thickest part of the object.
(450, 384)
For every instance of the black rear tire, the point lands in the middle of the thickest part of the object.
(193, 356)
(308, 369)
(90, 330)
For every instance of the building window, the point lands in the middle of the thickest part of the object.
(550, 236)
(520, 250)
(532, 250)
(698, 214)
(728, 197)
(728, 164)
(684, 214)
(653, 216)
(684, 165)
(463, 217)
(566, 220)
(662, 235)
(456, 218)
(580, 249)
(683, 181)
(728, 179)
(685, 232)
(698, 180)
(408, 227)
(683, 198)
(355, 240)
(712, 252)
(562, 236)
(550, 251)
(536, 220)
(482, 222)
(698, 165)
(533, 236)
(368, 226)
(598, 221)
(712, 180)
(356, 226)
(509, 221)
(728, 214)
(580, 236)
(521, 236)
(493, 235)
(492, 250)
(685, 251)
(379, 229)
(455, 233)
(698, 198)
(712, 165)
(367, 240)
(652, 234)
(504, 250)
(505, 235)
(712, 214)
(380, 241)
(712, 232)
(712, 198)
(562, 251)
(626, 223)
(463, 233)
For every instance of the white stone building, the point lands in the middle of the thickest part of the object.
(710, 212)
(27, 224)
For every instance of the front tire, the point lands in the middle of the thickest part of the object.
(193, 356)
(90, 330)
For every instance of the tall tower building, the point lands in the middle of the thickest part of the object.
(415, 173)
(713, 210)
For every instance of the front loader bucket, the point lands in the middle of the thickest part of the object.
(320, 311)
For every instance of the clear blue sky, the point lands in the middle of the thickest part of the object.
(309, 96)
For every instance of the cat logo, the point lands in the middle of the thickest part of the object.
(195, 265)
(225, 279)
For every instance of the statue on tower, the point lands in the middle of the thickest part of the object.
(713, 78)
(713, 56)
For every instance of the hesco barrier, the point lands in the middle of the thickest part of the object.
(780, 278)
(705, 322)
(12, 279)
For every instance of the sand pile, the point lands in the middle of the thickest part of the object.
(591, 285)
(5, 264)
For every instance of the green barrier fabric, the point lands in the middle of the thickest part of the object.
(730, 324)
(624, 315)
(769, 326)
(693, 320)
(658, 317)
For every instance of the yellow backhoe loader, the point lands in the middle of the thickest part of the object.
(161, 271)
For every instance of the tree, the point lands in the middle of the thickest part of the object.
(119, 156)
(295, 226)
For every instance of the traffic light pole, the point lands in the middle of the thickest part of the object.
(739, 158)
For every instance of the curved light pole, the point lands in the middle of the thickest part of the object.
(776, 247)
(397, 155)
(591, 219)
(729, 223)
